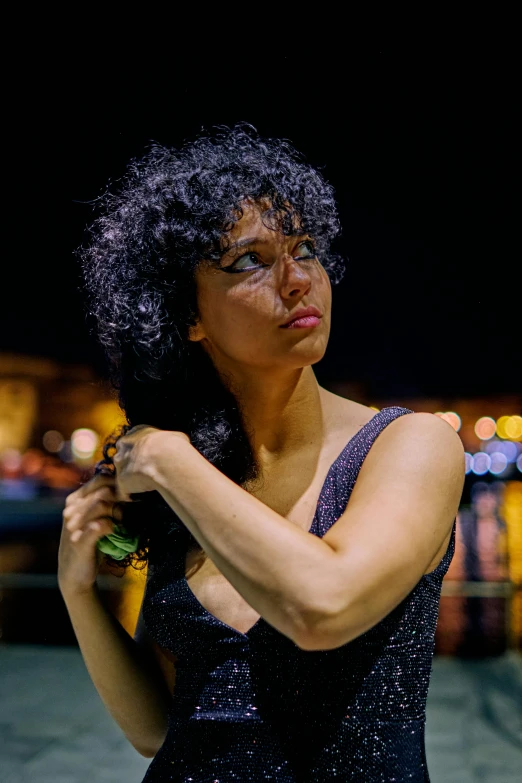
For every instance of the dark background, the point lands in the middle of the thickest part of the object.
(424, 160)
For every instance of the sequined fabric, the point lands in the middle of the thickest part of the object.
(255, 707)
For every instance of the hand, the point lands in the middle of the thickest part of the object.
(88, 516)
(134, 459)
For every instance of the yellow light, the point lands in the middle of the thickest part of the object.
(485, 428)
(501, 427)
(107, 416)
(513, 427)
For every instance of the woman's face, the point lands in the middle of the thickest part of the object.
(268, 277)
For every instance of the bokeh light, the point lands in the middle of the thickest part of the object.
(452, 418)
(83, 442)
(513, 427)
(498, 463)
(481, 463)
(468, 461)
(53, 441)
(11, 460)
(510, 427)
(485, 428)
(505, 447)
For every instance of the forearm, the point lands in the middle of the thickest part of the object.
(281, 570)
(126, 678)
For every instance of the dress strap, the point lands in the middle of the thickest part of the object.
(343, 473)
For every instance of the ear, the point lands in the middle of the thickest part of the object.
(196, 333)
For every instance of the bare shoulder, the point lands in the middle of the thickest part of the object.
(417, 429)
(418, 450)
(344, 414)
(420, 441)
(424, 429)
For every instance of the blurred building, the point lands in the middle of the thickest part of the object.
(54, 419)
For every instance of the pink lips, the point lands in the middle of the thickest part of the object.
(303, 318)
(303, 323)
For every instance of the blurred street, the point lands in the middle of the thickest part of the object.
(55, 729)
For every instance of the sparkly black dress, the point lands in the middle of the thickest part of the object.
(255, 707)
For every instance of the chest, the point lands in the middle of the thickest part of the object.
(293, 492)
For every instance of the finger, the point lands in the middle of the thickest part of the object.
(73, 504)
(92, 531)
(98, 509)
(101, 503)
(121, 495)
(97, 482)
(137, 428)
(101, 479)
(83, 509)
(117, 511)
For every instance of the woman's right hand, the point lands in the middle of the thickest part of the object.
(88, 516)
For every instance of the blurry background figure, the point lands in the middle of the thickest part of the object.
(480, 612)
(483, 534)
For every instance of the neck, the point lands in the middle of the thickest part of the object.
(282, 410)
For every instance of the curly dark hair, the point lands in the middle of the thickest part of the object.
(173, 210)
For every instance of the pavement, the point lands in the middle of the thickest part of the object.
(54, 727)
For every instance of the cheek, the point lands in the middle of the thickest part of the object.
(324, 282)
(237, 315)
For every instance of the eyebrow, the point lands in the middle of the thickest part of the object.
(244, 243)
(248, 241)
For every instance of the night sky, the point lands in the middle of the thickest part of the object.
(423, 160)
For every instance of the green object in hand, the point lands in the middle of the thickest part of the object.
(118, 544)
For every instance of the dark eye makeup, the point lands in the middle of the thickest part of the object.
(306, 250)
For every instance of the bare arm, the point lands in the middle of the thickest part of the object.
(125, 673)
(320, 593)
(278, 568)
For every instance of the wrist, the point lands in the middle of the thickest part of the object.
(74, 593)
(164, 448)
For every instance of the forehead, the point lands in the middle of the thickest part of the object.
(250, 220)
(257, 220)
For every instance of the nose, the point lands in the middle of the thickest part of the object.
(295, 280)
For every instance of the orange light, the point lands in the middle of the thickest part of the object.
(485, 428)
(452, 418)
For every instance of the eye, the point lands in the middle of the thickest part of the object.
(244, 263)
(306, 249)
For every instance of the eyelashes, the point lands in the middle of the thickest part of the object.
(306, 247)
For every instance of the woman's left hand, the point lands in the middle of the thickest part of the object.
(134, 459)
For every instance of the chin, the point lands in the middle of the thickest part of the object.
(304, 358)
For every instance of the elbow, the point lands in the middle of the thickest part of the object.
(319, 630)
(327, 628)
(147, 754)
(314, 641)
(333, 630)
(150, 751)
(322, 639)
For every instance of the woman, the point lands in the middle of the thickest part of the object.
(285, 634)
